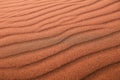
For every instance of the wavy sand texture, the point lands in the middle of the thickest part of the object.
(59, 39)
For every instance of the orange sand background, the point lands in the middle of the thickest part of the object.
(59, 39)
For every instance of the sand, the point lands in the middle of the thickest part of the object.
(59, 39)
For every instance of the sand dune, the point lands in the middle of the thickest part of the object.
(59, 39)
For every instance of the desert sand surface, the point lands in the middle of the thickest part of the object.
(59, 39)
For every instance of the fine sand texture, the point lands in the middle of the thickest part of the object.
(59, 39)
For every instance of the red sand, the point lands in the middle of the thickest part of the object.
(59, 39)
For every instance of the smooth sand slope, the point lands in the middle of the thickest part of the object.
(59, 39)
